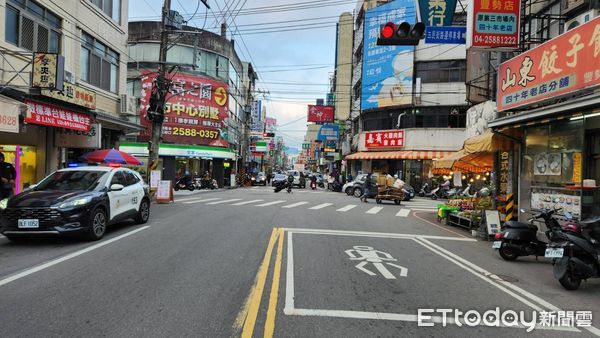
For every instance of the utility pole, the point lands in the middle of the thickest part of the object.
(162, 89)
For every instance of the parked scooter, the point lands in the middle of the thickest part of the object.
(335, 186)
(425, 190)
(520, 239)
(184, 182)
(576, 253)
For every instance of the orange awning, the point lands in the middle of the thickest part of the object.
(398, 155)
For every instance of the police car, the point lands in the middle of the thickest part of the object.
(83, 200)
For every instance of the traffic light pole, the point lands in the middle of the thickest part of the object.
(162, 86)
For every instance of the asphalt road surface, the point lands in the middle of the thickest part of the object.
(251, 262)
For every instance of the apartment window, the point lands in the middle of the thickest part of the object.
(112, 8)
(99, 64)
(441, 71)
(31, 26)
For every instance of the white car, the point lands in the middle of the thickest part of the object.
(83, 200)
(296, 175)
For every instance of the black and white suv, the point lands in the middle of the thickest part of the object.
(82, 200)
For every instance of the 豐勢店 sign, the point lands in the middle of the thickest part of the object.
(54, 116)
(563, 65)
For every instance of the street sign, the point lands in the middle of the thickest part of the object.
(305, 145)
(446, 35)
(379, 259)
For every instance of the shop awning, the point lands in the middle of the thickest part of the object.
(462, 161)
(398, 155)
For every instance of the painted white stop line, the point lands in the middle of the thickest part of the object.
(403, 213)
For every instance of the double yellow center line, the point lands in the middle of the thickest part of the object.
(249, 312)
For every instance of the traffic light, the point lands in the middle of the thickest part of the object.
(268, 134)
(401, 35)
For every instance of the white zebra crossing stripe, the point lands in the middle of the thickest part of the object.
(374, 210)
(224, 201)
(424, 209)
(247, 202)
(202, 200)
(321, 206)
(346, 208)
(294, 205)
(270, 203)
(403, 213)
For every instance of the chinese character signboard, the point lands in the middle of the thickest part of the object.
(563, 65)
(48, 70)
(51, 115)
(256, 115)
(387, 73)
(320, 114)
(493, 24)
(270, 124)
(437, 13)
(74, 94)
(328, 132)
(195, 111)
(505, 185)
(383, 139)
(446, 35)
(79, 139)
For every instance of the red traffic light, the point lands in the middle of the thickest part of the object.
(388, 30)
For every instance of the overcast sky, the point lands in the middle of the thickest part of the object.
(292, 57)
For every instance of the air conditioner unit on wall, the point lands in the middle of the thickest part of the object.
(581, 19)
(129, 105)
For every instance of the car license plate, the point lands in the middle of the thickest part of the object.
(497, 245)
(28, 223)
(554, 252)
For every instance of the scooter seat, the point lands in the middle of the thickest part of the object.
(520, 225)
(586, 223)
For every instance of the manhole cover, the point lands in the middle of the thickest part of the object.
(506, 278)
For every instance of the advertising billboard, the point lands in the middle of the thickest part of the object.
(493, 24)
(436, 13)
(195, 111)
(383, 139)
(328, 132)
(561, 66)
(320, 114)
(387, 74)
(256, 115)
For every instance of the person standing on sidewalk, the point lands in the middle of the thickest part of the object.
(367, 189)
(8, 176)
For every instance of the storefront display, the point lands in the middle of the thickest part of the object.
(23, 158)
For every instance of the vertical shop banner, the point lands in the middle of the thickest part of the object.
(256, 115)
(387, 74)
(504, 177)
(54, 116)
(561, 66)
(195, 111)
(48, 71)
(270, 124)
(577, 168)
(382, 139)
(437, 13)
(493, 24)
(320, 114)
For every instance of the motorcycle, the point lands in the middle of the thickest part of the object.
(520, 239)
(335, 186)
(438, 192)
(313, 184)
(184, 183)
(575, 254)
(280, 185)
(425, 190)
(208, 184)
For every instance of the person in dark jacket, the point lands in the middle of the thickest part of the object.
(367, 189)
(8, 175)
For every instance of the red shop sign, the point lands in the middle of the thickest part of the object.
(320, 113)
(383, 139)
(54, 116)
(563, 65)
(493, 24)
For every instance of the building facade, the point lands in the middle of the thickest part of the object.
(207, 109)
(65, 99)
(408, 102)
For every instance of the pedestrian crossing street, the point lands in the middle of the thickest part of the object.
(404, 210)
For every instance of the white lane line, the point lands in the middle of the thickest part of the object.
(423, 209)
(270, 203)
(346, 208)
(374, 210)
(188, 199)
(403, 213)
(321, 206)
(374, 234)
(294, 205)
(289, 277)
(247, 202)
(202, 200)
(224, 201)
(46, 265)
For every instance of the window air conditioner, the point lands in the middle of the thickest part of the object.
(129, 105)
(581, 19)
